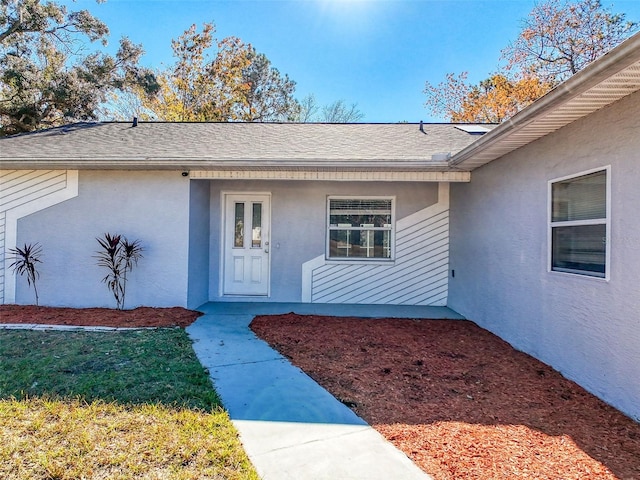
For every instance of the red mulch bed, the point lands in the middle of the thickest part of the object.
(459, 401)
(106, 317)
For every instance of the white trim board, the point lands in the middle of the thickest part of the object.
(417, 276)
(221, 232)
(23, 192)
(607, 223)
(339, 176)
(246, 269)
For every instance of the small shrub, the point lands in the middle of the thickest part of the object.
(24, 263)
(118, 255)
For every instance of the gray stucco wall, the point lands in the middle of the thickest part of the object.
(298, 219)
(588, 329)
(149, 206)
(199, 223)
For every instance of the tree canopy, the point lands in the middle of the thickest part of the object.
(490, 101)
(48, 78)
(228, 80)
(221, 80)
(269, 96)
(558, 39)
(45, 78)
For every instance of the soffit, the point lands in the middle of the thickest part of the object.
(600, 84)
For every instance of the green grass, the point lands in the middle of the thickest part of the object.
(133, 404)
(140, 366)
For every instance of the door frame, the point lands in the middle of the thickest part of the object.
(222, 232)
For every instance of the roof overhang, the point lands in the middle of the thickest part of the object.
(200, 163)
(253, 169)
(231, 146)
(337, 175)
(603, 82)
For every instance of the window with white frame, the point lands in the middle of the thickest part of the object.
(579, 224)
(360, 228)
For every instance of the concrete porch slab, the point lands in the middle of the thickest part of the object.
(334, 309)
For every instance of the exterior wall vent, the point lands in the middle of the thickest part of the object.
(441, 157)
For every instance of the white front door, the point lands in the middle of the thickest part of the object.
(246, 244)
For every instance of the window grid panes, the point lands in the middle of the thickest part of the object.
(579, 224)
(360, 228)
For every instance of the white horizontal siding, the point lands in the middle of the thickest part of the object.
(29, 187)
(23, 192)
(418, 276)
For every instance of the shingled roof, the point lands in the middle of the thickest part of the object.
(208, 146)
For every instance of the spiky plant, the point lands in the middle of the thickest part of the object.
(131, 253)
(118, 255)
(24, 263)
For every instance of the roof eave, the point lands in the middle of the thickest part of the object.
(169, 163)
(621, 57)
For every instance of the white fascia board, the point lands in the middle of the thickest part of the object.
(337, 176)
(384, 171)
(277, 170)
(621, 57)
(177, 163)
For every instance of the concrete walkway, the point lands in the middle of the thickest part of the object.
(290, 427)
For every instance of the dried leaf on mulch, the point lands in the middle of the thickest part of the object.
(459, 401)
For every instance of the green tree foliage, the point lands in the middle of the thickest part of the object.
(558, 38)
(228, 80)
(46, 80)
(221, 80)
(269, 96)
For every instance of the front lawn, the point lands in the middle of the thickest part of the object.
(111, 405)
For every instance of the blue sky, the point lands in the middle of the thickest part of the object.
(376, 53)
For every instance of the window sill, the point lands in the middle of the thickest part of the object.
(579, 275)
(360, 261)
